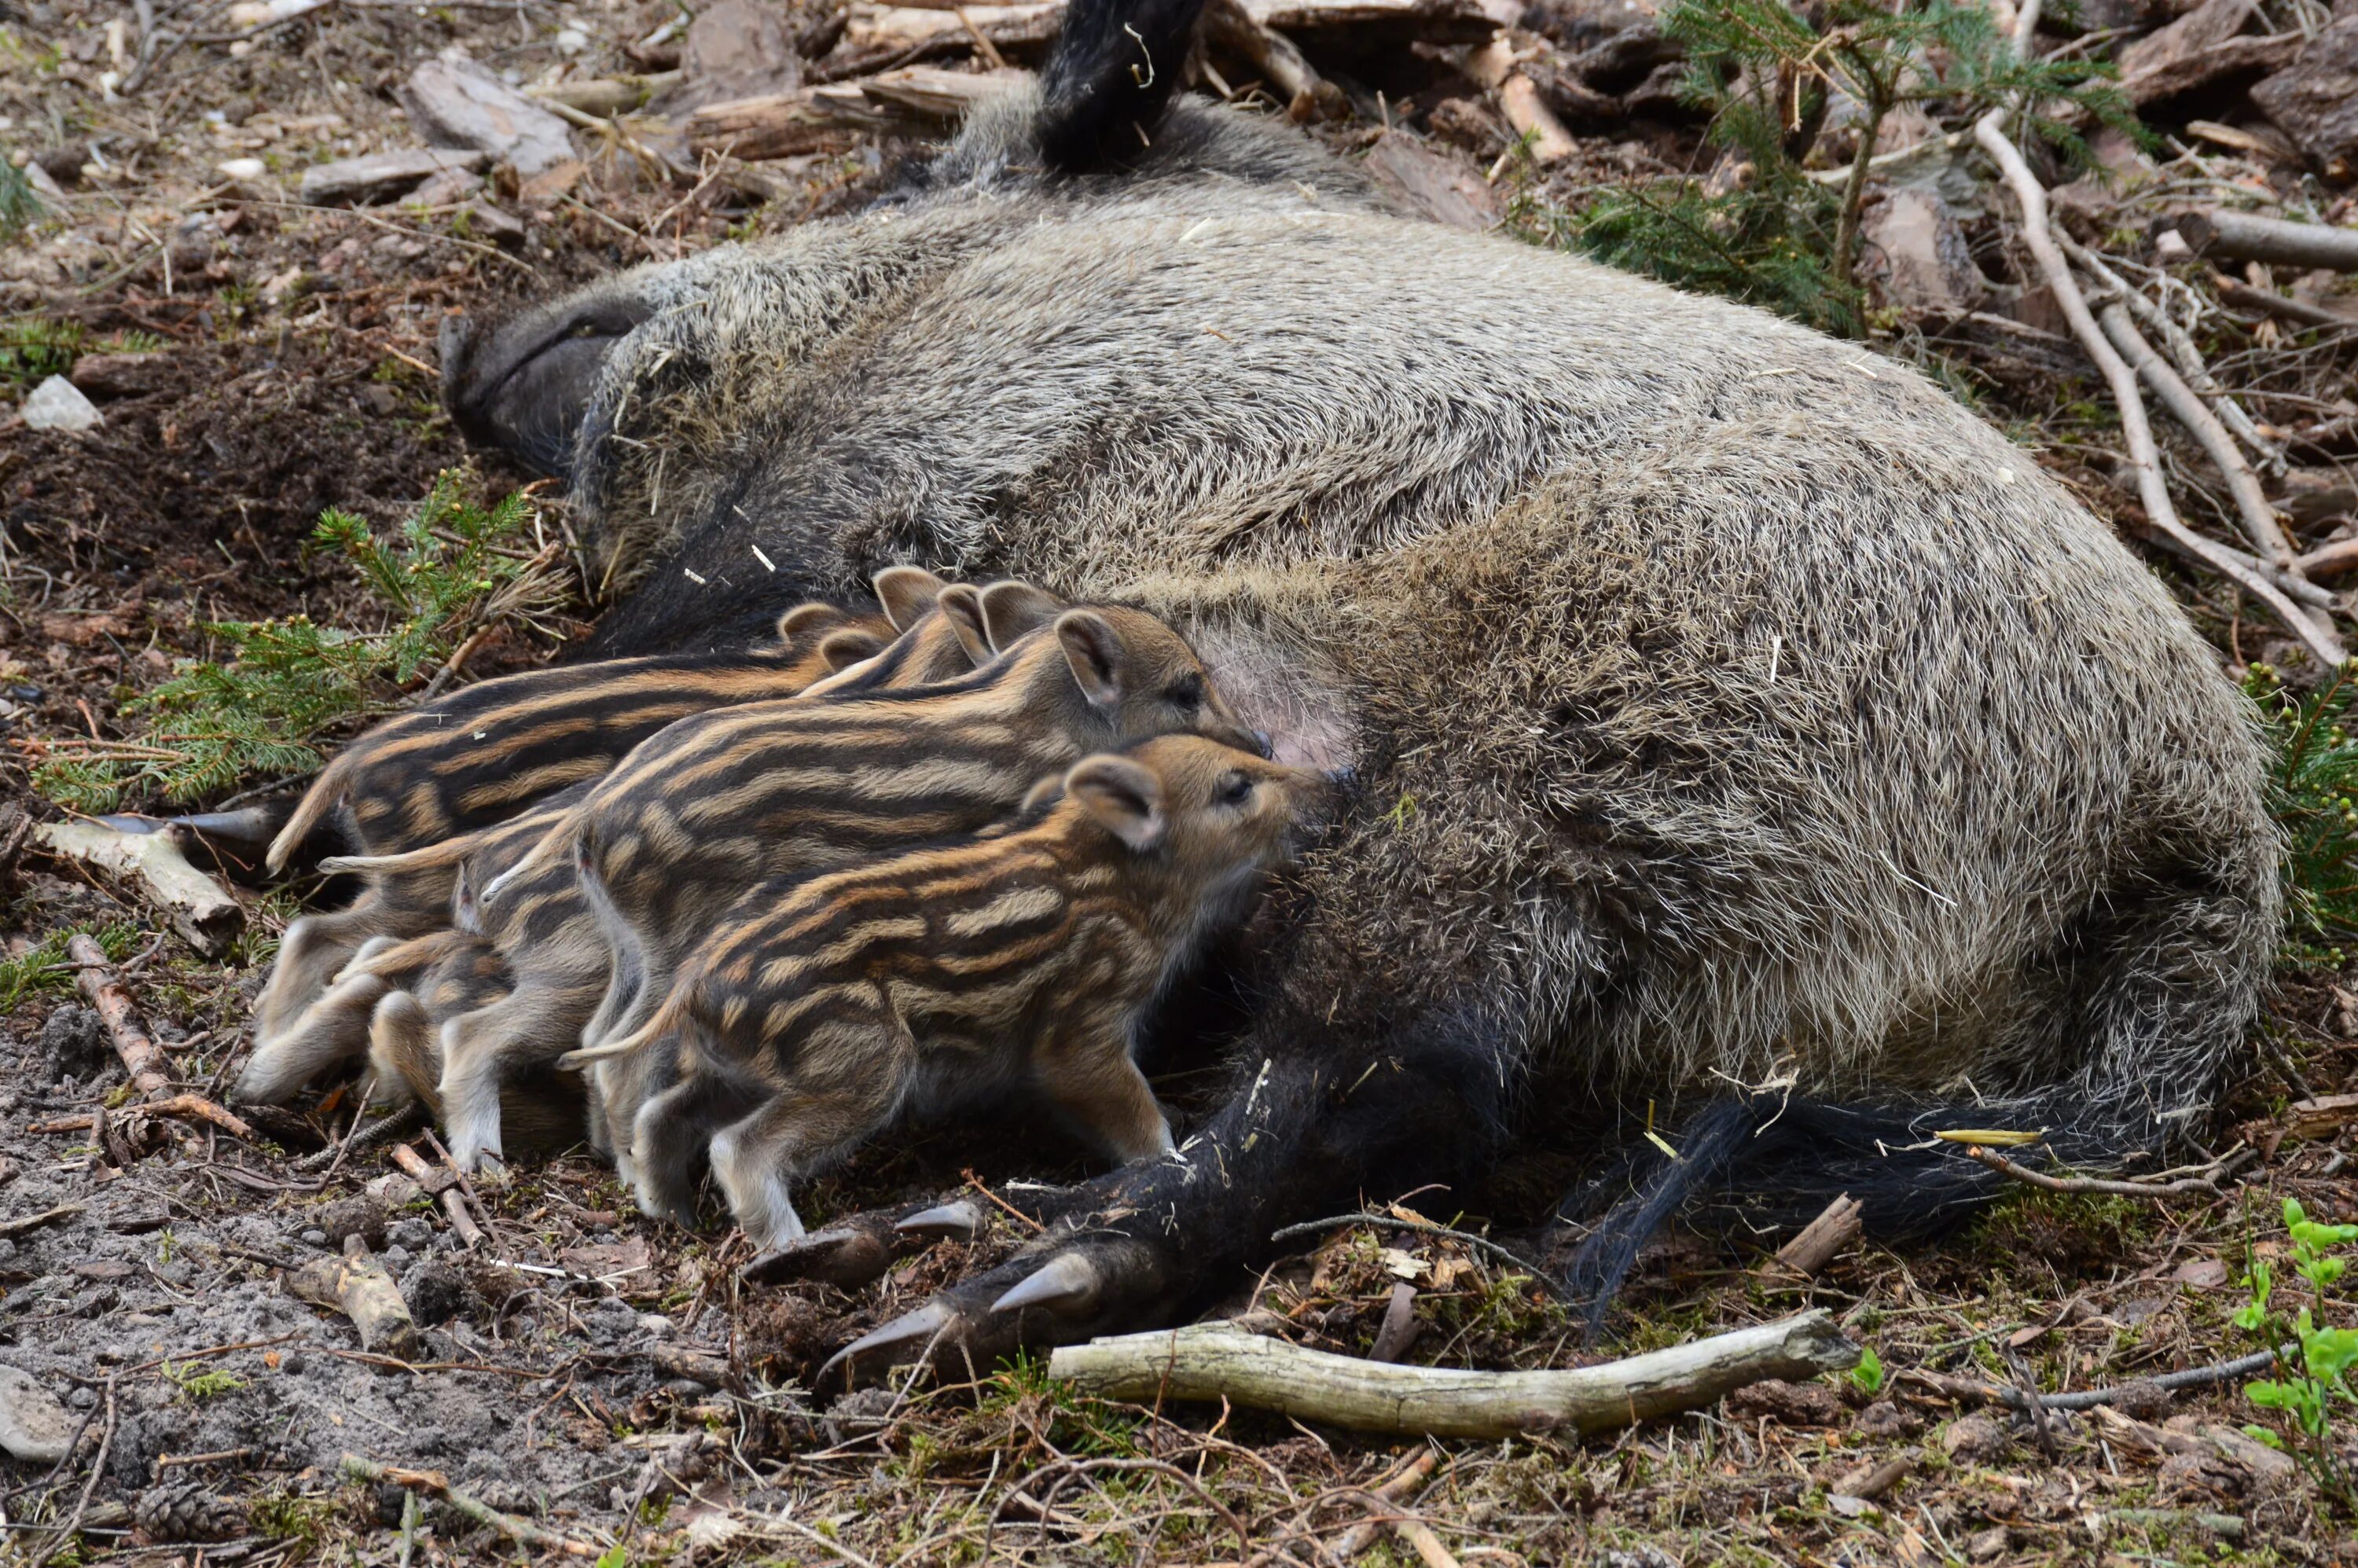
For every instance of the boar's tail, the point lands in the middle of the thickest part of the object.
(1112, 74)
(1755, 1164)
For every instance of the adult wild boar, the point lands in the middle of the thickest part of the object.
(1736, 723)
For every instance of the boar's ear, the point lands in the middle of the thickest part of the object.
(525, 387)
(961, 605)
(843, 649)
(1011, 609)
(1121, 794)
(1105, 88)
(808, 620)
(1094, 650)
(906, 592)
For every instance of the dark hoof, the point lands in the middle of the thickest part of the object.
(849, 1257)
(1067, 1285)
(237, 840)
(906, 1338)
(954, 1221)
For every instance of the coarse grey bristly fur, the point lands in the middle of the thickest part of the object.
(1726, 702)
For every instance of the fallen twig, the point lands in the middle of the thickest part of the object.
(35, 1221)
(522, 1530)
(181, 1107)
(2233, 291)
(366, 1139)
(441, 1182)
(1479, 1243)
(2247, 236)
(2206, 1183)
(1819, 1242)
(2144, 457)
(141, 1058)
(1972, 1390)
(97, 1467)
(1395, 1491)
(1220, 1361)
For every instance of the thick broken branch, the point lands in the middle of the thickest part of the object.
(2246, 236)
(1821, 1241)
(2144, 457)
(198, 907)
(1217, 1361)
(357, 1286)
(1495, 66)
(1229, 26)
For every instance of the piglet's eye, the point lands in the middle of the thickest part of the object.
(1186, 692)
(1239, 789)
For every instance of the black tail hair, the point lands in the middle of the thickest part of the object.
(1752, 1164)
(1116, 65)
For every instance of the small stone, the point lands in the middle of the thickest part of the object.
(434, 1292)
(244, 168)
(1885, 1419)
(411, 1232)
(315, 1236)
(395, 1259)
(57, 405)
(83, 1398)
(34, 1427)
(654, 1324)
(570, 40)
(74, 1042)
(1972, 1440)
(1986, 1545)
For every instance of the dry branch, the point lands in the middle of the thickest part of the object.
(180, 1107)
(2144, 457)
(1229, 26)
(1396, 1489)
(1495, 66)
(2205, 1183)
(357, 1286)
(2246, 236)
(2301, 313)
(1217, 1361)
(198, 906)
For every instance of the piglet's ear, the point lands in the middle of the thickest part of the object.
(809, 620)
(1012, 607)
(841, 650)
(1121, 794)
(961, 605)
(1110, 80)
(906, 592)
(1094, 650)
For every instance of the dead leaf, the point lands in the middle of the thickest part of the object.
(1401, 1265)
(2203, 1273)
(81, 631)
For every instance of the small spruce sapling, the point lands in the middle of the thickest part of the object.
(2313, 791)
(453, 568)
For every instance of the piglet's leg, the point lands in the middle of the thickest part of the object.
(484, 1049)
(1102, 1092)
(844, 1092)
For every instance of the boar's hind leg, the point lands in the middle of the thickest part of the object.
(1316, 1118)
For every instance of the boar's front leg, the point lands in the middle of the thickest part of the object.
(1317, 1118)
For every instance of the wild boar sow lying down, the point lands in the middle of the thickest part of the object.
(1724, 704)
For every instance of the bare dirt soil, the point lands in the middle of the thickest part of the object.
(607, 1378)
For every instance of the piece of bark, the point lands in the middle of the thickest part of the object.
(2213, 68)
(697, 1365)
(1381, 21)
(1230, 27)
(458, 103)
(2312, 496)
(357, 1286)
(1431, 184)
(738, 49)
(2314, 99)
(2198, 31)
(357, 181)
(1925, 263)
(1398, 1330)
(879, 28)
(606, 96)
(1821, 1241)
(15, 831)
(1216, 1361)
(1570, 99)
(2246, 236)
(786, 124)
(932, 93)
(120, 375)
(198, 908)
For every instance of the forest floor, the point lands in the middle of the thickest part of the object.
(607, 1378)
